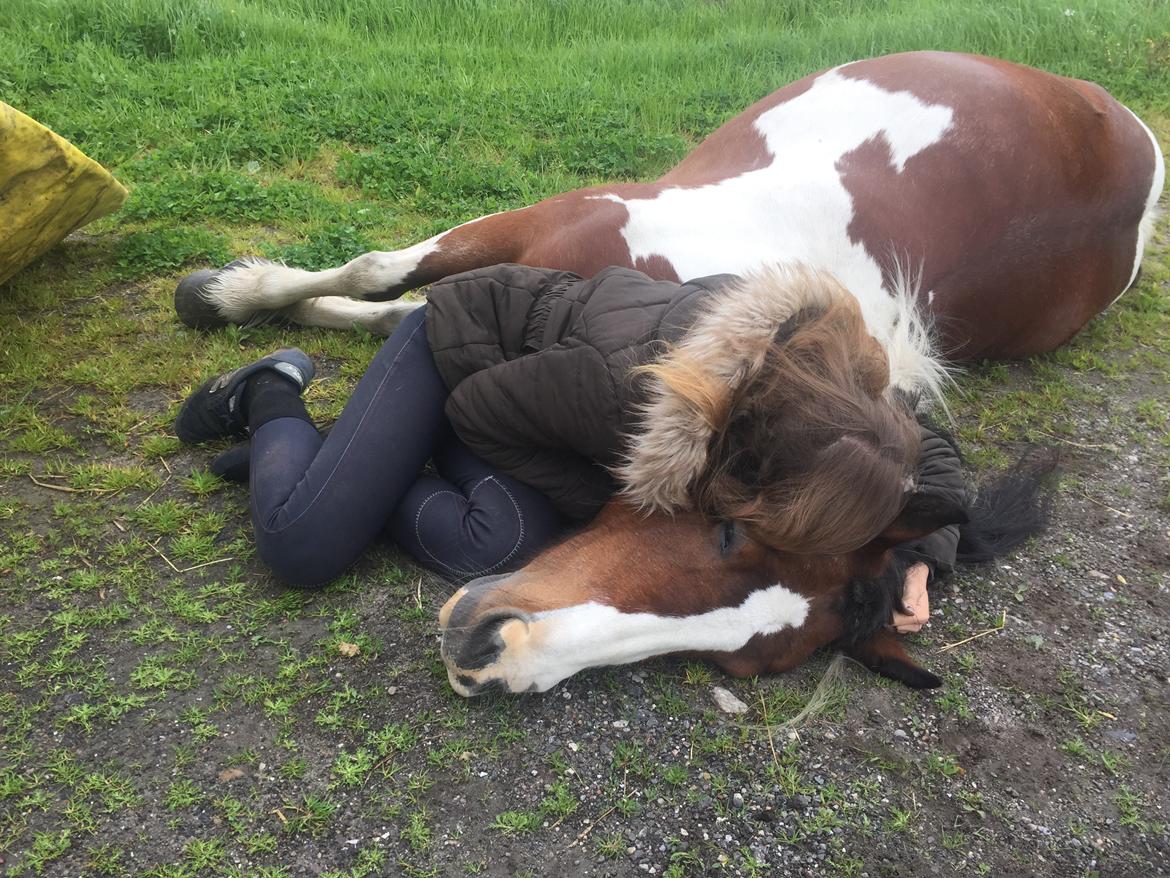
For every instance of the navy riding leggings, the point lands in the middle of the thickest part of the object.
(318, 501)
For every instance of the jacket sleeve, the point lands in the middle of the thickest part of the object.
(939, 473)
(546, 433)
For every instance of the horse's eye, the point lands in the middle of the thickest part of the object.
(726, 538)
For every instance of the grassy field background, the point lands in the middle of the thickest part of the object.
(167, 712)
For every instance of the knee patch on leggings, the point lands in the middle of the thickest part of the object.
(459, 536)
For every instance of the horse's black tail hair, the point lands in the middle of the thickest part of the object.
(1013, 507)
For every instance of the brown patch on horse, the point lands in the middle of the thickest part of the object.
(785, 650)
(581, 229)
(994, 244)
(657, 267)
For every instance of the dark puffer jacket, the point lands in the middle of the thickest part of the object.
(539, 364)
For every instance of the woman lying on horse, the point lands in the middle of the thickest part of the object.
(536, 395)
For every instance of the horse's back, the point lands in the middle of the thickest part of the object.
(1002, 188)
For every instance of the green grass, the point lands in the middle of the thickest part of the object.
(144, 650)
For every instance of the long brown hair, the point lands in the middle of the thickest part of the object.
(809, 452)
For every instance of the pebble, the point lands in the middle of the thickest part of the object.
(898, 733)
(737, 800)
(1123, 735)
(727, 702)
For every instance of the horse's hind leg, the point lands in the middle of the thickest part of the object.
(253, 287)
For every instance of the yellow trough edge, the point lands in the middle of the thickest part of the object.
(48, 188)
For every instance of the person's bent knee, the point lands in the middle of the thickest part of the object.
(461, 537)
(299, 563)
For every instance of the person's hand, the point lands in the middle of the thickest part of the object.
(917, 601)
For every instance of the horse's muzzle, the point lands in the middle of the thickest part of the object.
(473, 637)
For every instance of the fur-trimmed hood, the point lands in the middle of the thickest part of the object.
(728, 341)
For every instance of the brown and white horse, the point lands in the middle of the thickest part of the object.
(1010, 205)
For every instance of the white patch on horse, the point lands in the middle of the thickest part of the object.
(796, 209)
(339, 312)
(1150, 214)
(550, 646)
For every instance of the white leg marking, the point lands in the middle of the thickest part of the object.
(239, 293)
(556, 644)
(338, 312)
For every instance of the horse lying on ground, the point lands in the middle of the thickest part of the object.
(1000, 205)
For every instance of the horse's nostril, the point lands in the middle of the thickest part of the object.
(483, 642)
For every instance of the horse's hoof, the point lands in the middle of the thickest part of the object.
(193, 307)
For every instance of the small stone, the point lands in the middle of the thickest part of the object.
(898, 733)
(727, 702)
(737, 800)
(1124, 736)
(621, 724)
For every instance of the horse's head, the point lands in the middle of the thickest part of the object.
(772, 475)
(633, 585)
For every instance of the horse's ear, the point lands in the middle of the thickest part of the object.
(923, 514)
(884, 655)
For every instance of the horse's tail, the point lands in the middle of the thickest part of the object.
(1013, 507)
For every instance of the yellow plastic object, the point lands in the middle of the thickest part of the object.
(48, 188)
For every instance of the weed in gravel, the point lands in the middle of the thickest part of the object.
(182, 794)
(201, 482)
(900, 820)
(517, 822)
(611, 846)
(311, 816)
(417, 832)
(944, 765)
